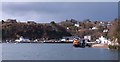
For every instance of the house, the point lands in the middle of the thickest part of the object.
(77, 25)
(31, 22)
(68, 28)
(88, 37)
(93, 28)
(103, 40)
(21, 39)
(105, 30)
(11, 21)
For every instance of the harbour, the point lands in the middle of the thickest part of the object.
(60, 32)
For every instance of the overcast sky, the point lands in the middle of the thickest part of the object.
(59, 11)
(59, 0)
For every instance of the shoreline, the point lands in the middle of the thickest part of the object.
(36, 42)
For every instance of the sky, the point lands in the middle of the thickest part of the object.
(59, 11)
(59, 0)
(119, 9)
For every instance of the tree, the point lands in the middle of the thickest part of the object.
(53, 23)
(2, 21)
(117, 30)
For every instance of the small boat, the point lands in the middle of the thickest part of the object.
(80, 43)
(75, 43)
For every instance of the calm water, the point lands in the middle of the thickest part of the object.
(0, 52)
(27, 51)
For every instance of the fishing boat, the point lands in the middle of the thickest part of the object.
(81, 43)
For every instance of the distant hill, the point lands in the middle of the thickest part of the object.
(33, 31)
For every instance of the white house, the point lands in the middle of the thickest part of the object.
(21, 39)
(87, 37)
(68, 28)
(77, 25)
(106, 30)
(94, 28)
(103, 40)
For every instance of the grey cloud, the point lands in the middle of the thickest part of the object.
(61, 10)
(60, 0)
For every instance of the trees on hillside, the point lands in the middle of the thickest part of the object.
(33, 31)
(115, 30)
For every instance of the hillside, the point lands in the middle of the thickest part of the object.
(12, 30)
(32, 31)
